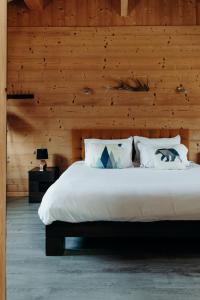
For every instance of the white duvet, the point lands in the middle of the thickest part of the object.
(133, 194)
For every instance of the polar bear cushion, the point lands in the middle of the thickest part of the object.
(161, 142)
(170, 157)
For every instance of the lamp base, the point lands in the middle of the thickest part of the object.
(43, 165)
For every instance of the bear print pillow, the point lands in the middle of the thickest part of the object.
(169, 157)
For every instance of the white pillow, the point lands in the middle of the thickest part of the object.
(87, 142)
(108, 154)
(163, 142)
(171, 157)
(114, 141)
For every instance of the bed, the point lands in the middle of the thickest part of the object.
(132, 202)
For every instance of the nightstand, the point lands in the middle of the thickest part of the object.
(40, 181)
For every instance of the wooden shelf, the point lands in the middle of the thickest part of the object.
(20, 96)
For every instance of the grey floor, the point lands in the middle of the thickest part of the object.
(90, 271)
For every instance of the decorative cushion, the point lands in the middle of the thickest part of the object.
(171, 157)
(109, 154)
(163, 142)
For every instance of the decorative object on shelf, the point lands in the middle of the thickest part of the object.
(124, 8)
(135, 85)
(36, 5)
(42, 154)
(181, 89)
(87, 91)
(20, 96)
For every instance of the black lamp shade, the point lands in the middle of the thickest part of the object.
(42, 154)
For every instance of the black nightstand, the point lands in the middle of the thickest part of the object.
(40, 181)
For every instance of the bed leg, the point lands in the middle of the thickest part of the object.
(55, 246)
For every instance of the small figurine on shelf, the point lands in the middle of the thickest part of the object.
(42, 154)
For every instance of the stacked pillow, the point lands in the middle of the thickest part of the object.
(161, 142)
(161, 153)
(169, 157)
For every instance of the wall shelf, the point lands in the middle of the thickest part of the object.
(20, 96)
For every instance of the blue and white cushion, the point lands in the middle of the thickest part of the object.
(160, 142)
(109, 155)
(165, 157)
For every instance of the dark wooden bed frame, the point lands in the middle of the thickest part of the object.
(57, 231)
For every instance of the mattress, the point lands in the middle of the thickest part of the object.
(134, 194)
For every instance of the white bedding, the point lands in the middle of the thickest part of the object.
(133, 194)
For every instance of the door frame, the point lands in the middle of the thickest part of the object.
(3, 82)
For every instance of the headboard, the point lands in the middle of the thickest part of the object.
(78, 136)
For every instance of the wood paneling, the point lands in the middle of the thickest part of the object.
(3, 67)
(57, 63)
(106, 13)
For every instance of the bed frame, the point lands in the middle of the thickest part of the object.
(57, 231)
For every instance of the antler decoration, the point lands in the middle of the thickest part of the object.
(138, 86)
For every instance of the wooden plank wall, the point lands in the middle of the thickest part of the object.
(106, 13)
(56, 63)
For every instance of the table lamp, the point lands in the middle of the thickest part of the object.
(42, 154)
